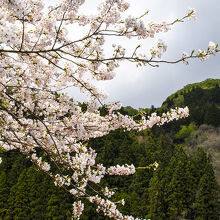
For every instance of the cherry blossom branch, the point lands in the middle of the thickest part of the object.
(38, 61)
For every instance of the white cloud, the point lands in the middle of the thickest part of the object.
(145, 86)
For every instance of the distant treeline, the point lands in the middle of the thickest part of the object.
(184, 186)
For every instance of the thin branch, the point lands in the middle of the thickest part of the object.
(37, 40)
(58, 31)
(22, 38)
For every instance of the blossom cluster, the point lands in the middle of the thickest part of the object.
(44, 165)
(159, 50)
(78, 208)
(212, 49)
(202, 54)
(109, 208)
(108, 193)
(121, 170)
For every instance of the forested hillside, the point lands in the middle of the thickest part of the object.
(203, 100)
(184, 186)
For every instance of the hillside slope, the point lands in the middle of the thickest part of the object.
(203, 100)
(182, 187)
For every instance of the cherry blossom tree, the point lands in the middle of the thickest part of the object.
(39, 60)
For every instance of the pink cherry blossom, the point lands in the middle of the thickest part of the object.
(40, 60)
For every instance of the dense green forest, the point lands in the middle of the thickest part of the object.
(184, 186)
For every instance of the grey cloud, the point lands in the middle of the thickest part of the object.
(155, 85)
(148, 86)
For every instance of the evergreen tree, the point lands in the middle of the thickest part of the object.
(59, 205)
(212, 115)
(157, 197)
(18, 201)
(207, 205)
(39, 185)
(4, 193)
(181, 188)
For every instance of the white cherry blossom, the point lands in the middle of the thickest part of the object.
(39, 60)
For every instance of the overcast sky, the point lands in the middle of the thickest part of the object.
(146, 86)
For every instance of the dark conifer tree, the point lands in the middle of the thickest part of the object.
(18, 201)
(206, 205)
(4, 193)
